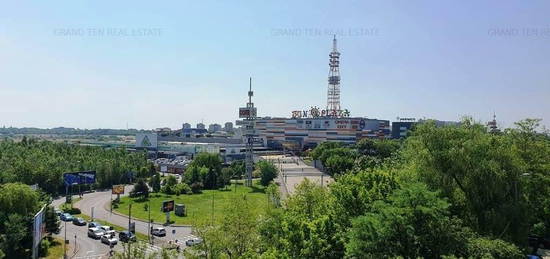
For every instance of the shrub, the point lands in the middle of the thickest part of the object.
(44, 246)
(72, 211)
(182, 188)
(196, 187)
(482, 247)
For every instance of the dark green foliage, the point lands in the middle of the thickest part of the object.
(213, 163)
(414, 222)
(52, 222)
(196, 187)
(485, 176)
(42, 162)
(154, 182)
(15, 235)
(140, 189)
(267, 171)
(492, 248)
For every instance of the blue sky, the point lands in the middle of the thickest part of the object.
(433, 59)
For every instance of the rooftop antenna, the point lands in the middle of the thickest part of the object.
(333, 92)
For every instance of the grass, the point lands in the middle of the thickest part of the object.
(198, 206)
(56, 249)
(68, 206)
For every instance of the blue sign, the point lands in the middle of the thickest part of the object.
(86, 177)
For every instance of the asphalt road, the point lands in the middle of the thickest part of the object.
(90, 248)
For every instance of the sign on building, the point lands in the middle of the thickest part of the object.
(146, 140)
(245, 112)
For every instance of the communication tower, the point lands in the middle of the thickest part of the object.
(333, 94)
(248, 114)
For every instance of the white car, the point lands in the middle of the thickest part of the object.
(193, 241)
(95, 233)
(109, 240)
(110, 233)
(105, 228)
(158, 231)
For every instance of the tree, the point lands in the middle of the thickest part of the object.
(414, 222)
(480, 174)
(239, 228)
(154, 182)
(16, 235)
(267, 171)
(213, 163)
(140, 189)
(225, 177)
(304, 227)
(19, 199)
(52, 222)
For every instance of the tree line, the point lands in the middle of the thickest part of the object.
(444, 192)
(32, 161)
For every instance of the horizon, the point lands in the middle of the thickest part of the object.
(149, 67)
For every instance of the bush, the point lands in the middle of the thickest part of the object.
(182, 188)
(72, 211)
(196, 187)
(44, 246)
(167, 189)
(482, 247)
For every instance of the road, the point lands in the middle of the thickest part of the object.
(90, 248)
(292, 171)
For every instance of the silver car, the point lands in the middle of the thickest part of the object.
(95, 233)
(109, 240)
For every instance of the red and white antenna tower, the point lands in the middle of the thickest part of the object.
(333, 94)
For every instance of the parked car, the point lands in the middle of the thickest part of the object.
(94, 224)
(66, 217)
(109, 240)
(126, 236)
(95, 233)
(110, 233)
(58, 212)
(105, 228)
(158, 231)
(193, 241)
(79, 221)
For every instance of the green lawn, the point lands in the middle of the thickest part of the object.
(198, 206)
(55, 251)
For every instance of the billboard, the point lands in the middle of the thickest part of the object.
(118, 189)
(84, 177)
(146, 140)
(167, 206)
(38, 230)
(245, 112)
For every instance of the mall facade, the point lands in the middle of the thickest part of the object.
(304, 133)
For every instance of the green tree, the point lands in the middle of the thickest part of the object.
(304, 227)
(16, 235)
(213, 163)
(140, 189)
(480, 173)
(414, 223)
(267, 171)
(52, 222)
(19, 199)
(154, 182)
(225, 176)
(239, 228)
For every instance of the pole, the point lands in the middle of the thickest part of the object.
(212, 220)
(65, 242)
(92, 213)
(129, 215)
(149, 222)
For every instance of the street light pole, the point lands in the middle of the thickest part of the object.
(65, 242)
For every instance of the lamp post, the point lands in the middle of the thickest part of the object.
(65, 242)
